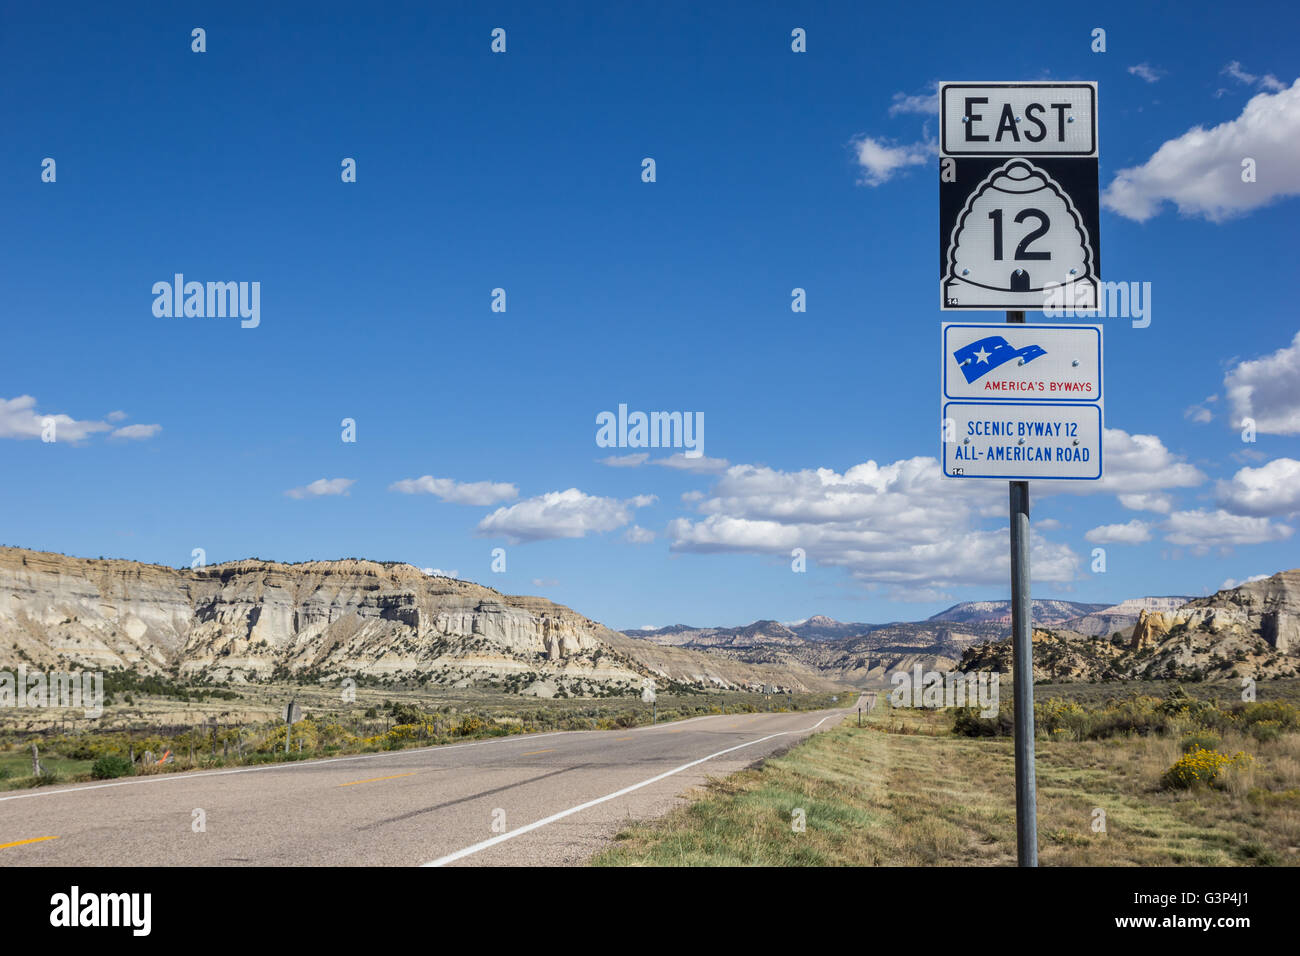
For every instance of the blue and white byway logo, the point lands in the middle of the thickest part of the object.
(979, 358)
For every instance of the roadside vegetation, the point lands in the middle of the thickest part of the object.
(146, 737)
(1139, 780)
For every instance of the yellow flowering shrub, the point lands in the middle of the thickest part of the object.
(1202, 766)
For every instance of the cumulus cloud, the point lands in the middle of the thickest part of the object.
(1268, 390)
(20, 419)
(1144, 71)
(1271, 490)
(1156, 501)
(880, 160)
(1133, 532)
(1220, 528)
(1198, 414)
(561, 514)
(457, 492)
(1200, 171)
(321, 487)
(639, 535)
(440, 573)
(1137, 469)
(899, 524)
(116, 416)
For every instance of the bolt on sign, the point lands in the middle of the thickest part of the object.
(1018, 198)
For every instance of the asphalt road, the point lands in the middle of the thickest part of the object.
(539, 799)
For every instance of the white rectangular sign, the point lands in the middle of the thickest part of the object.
(1018, 119)
(1017, 441)
(1021, 362)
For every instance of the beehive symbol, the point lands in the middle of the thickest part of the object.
(1018, 241)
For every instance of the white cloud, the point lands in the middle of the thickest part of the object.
(457, 492)
(639, 535)
(136, 431)
(924, 104)
(1266, 82)
(561, 514)
(880, 160)
(1198, 414)
(1144, 71)
(20, 419)
(1229, 583)
(440, 573)
(1047, 524)
(1133, 532)
(1220, 528)
(1154, 501)
(1270, 490)
(1268, 390)
(690, 497)
(1135, 468)
(321, 487)
(1200, 171)
(899, 524)
(545, 582)
(115, 416)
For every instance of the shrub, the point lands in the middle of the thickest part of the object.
(1202, 767)
(109, 766)
(1263, 730)
(967, 722)
(1199, 741)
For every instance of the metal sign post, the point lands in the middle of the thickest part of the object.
(1022, 665)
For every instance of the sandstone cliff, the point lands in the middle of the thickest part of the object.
(253, 620)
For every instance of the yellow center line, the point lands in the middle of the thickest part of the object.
(5, 846)
(531, 752)
(377, 779)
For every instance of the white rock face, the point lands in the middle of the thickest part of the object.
(247, 619)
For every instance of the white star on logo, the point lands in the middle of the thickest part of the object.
(982, 356)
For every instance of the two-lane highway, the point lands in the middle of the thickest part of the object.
(532, 799)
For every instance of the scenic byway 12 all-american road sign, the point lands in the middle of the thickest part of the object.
(1018, 201)
(1021, 401)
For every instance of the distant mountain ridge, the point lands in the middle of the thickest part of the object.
(1252, 630)
(1045, 611)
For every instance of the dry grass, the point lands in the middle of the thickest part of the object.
(919, 796)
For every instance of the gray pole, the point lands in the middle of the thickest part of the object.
(1023, 667)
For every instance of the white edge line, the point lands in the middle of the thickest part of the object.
(477, 847)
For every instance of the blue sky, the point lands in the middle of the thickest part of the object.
(522, 171)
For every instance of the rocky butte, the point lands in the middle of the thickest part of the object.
(253, 620)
